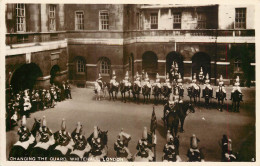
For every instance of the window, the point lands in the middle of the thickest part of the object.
(240, 19)
(79, 21)
(103, 20)
(154, 21)
(52, 20)
(80, 66)
(237, 66)
(20, 17)
(177, 21)
(201, 21)
(104, 66)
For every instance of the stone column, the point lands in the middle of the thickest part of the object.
(60, 20)
(44, 18)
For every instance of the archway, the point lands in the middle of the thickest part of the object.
(54, 72)
(131, 66)
(199, 60)
(174, 57)
(149, 64)
(25, 77)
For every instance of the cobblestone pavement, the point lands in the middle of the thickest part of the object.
(208, 124)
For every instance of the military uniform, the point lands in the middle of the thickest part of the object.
(137, 81)
(170, 151)
(194, 154)
(157, 81)
(146, 81)
(227, 152)
(201, 75)
(236, 87)
(121, 147)
(193, 84)
(96, 144)
(207, 85)
(221, 87)
(68, 91)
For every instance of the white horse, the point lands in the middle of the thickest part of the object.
(97, 90)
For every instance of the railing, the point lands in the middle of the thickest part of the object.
(34, 37)
(184, 33)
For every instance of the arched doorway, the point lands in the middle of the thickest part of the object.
(54, 72)
(149, 64)
(131, 66)
(25, 77)
(199, 60)
(174, 57)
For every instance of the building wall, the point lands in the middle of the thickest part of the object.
(227, 16)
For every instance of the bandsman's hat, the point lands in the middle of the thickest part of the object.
(122, 135)
(95, 132)
(173, 64)
(44, 123)
(145, 133)
(176, 65)
(229, 144)
(237, 81)
(79, 128)
(201, 70)
(126, 75)
(177, 92)
(207, 78)
(24, 121)
(169, 136)
(63, 125)
(99, 76)
(194, 142)
(221, 80)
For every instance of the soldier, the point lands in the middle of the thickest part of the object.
(207, 84)
(194, 82)
(25, 135)
(201, 75)
(167, 81)
(79, 139)
(48, 99)
(113, 80)
(194, 154)
(121, 146)
(63, 137)
(58, 91)
(144, 147)
(96, 144)
(99, 80)
(157, 81)
(68, 91)
(46, 136)
(221, 87)
(171, 153)
(137, 81)
(43, 99)
(126, 80)
(227, 152)
(14, 119)
(236, 87)
(146, 81)
(63, 91)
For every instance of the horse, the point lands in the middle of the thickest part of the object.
(194, 93)
(136, 91)
(97, 90)
(207, 94)
(146, 93)
(156, 93)
(22, 149)
(166, 91)
(173, 118)
(111, 89)
(123, 90)
(104, 139)
(236, 98)
(220, 95)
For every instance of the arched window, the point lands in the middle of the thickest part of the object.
(104, 66)
(80, 66)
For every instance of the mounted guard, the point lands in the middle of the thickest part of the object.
(207, 91)
(221, 93)
(179, 86)
(146, 88)
(171, 149)
(157, 88)
(194, 153)
(167, 88)
(121, 146)
(194, 90)
(201, 76)
(236, 96)
(136, 87)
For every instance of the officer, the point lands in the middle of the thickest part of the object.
(221, 87)
(68, 91)
(146, 81)
(120, 146)
(96, 145)
(201, 75)
(207, 84)
(143, 147)
(170, 106)
(171, 153)
(236, 87)
(194, 154)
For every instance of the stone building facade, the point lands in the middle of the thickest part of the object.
(78, 41)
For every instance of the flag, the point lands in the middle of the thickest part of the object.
(153, 122)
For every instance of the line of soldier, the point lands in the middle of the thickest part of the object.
(80, 145)
(27, 101)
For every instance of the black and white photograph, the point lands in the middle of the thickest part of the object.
(109, 82)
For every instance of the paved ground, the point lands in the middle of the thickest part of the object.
(114, 115)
